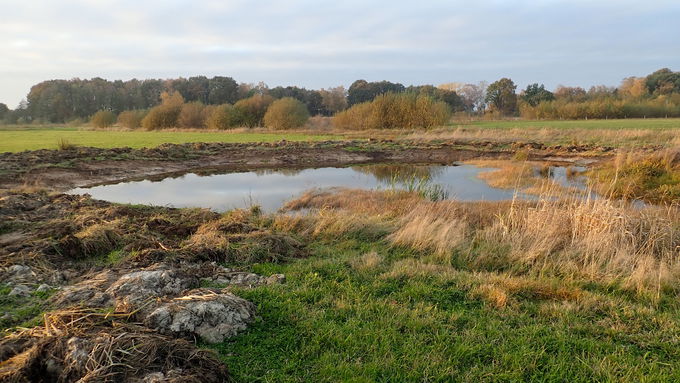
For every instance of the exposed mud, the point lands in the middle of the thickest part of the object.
(66, 169)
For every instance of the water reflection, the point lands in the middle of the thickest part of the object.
(271, 188)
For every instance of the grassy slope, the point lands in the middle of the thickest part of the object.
(333, 321)
(32, 139)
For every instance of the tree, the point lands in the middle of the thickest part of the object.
(333, 100)
(363, 91)
(535, 94)
(286, 113)
(633, 87)
(663, 81)
(131, 119)
(222, 90)
(3, 110)
(103, 119)
(474, 96)
(191, 115)
(253, 109)
(224, 117)
(501, 96)
(569, 93)
(166, 114)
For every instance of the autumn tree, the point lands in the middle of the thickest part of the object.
(103, 119)
(570, 93)
(286, 113)
(501, 96)
(224, 116)
(165, 115)
(633, 87)
(253, 109)
(191, 115)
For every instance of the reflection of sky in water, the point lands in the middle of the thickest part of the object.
(271, 189)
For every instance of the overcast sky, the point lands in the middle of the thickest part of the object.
(316, 43)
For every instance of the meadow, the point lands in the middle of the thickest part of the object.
(37, 137)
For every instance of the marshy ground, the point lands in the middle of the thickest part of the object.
(343, 285)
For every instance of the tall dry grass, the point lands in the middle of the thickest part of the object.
(571, 237)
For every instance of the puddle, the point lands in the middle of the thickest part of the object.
(271, 188)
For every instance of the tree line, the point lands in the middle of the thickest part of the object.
(58, 101)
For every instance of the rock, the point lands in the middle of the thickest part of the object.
(244, 279)
(212, 317)
(89, 292)
(134, 288)
(276, 279)
(20, 291)
(19, 274)
(43, 288)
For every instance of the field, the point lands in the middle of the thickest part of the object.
(623, 133)
(348, 285)
(33, 138)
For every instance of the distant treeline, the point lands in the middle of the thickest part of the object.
(58, 101)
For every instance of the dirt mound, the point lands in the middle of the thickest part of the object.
(92, 347)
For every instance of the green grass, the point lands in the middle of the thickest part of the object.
(634, 123)
(32, 138)
(334, 322)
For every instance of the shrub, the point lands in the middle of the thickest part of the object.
(224, 117)
(286, 113)
(394, 110)
(131, 119)
(165, 115)
(253, 109)
(192, 116)
(103, 119)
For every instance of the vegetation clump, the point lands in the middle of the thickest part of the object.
(393, 111)
(103, 119)
(285, 114)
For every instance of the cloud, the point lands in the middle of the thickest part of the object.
(323, 43)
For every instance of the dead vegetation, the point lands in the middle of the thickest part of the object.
(91, 346)
(571, 237)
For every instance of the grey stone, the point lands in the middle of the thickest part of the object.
(42, 288)
(20, 291)
(212, 317)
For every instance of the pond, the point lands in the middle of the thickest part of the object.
(271, 188)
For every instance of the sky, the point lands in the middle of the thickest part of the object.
(321, 44)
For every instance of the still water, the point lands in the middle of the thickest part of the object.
(271, 188)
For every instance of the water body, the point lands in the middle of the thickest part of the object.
(271, 188)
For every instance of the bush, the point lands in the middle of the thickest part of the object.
(103, 119)
(393, 111)
(192, 116)
(161, 117)
(131, 119)
(286, 113)
(224, 117)
(253, 109)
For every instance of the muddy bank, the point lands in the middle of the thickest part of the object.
(65, 169)
(110, 277)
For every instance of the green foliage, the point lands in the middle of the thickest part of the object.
(394, 111)
(224, 117)
(103, 119)
(253, 109)
(500, 95)
(603, 108)
(534, 94)
(363, 91)
(286, 113)
(663, 81)
(131, 119)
